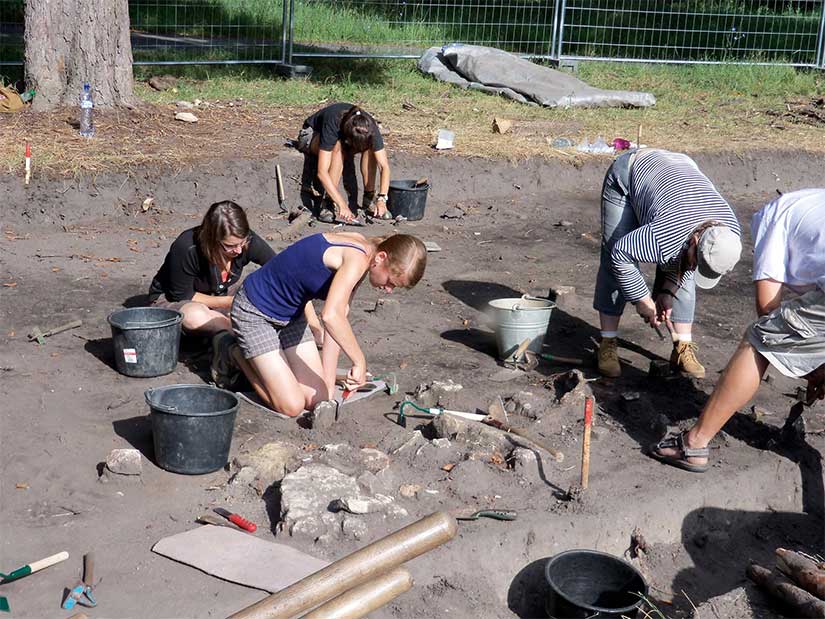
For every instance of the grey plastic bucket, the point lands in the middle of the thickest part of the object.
(191, 427)
(518, 319)
(145, 340)
(405, 199)
(586, 584)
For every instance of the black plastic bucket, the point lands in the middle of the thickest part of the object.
(407, 200)
(587, 583)
(145, 340)
(191, 427)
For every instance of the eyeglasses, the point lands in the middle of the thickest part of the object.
(235, 246)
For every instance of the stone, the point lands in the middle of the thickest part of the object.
(521, 458)
(502, 125)
(409, 491)
(441, 443)
(658, 368)
(184, 105)
(187, 117)
(354, 528)
(525, 404)
(362, 505)
(307, 493)
(124, 462)
(453, 213)
(437, 393)
(447, 426)
(374, 460)
(270, 462)
(163, 82)
(246, 476)
(374, 483)
(562, 296)
(413, 443)
(324, 415)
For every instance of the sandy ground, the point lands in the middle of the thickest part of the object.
(81, 248)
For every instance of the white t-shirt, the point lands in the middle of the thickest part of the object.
(789, 240)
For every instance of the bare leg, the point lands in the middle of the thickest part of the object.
(735, 389)
(683, 328)
(197, 318)
(608, 322)
(369, 166)
(287, 381)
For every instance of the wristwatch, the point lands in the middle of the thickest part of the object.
(381, 196)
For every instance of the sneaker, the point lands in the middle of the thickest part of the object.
(366, 201)
(609, 358)
(326, 214)
(223, 370)
(683, 359)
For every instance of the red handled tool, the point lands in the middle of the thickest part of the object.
(242, 522)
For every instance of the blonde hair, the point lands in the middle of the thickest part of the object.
(406, 256)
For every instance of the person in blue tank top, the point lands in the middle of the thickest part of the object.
(275, 348)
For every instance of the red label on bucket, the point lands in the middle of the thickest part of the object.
(130, 355)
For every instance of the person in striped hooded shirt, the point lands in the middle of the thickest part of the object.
(659, 208)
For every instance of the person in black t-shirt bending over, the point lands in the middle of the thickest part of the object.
(329, 140)
(203, 268)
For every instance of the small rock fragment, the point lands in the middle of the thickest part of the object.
(409, 491)
(324, 415)
(187, 117)
(502, 125)
(184, 105)
(124, 462)
(453, 213)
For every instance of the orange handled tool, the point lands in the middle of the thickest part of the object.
(242, 522)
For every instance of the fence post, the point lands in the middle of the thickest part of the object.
(560, 38)
(820, 38)
(285, 25)
(556, 18)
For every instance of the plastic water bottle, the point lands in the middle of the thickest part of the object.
(87, 104)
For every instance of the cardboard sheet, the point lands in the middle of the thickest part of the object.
(239, 557)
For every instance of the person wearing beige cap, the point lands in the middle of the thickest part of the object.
(658, 207)
(789, 261)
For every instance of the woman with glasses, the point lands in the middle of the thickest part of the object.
(203, 268)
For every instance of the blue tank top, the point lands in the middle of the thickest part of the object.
(286, 283)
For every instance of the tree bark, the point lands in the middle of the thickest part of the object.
(69, 42)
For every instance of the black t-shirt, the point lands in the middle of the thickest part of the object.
(326, 124)
(186, 269)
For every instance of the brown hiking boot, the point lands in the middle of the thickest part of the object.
(683, 359)
(609, 358)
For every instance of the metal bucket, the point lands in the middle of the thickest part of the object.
(145, 340)
(191, 427)
(518, 319)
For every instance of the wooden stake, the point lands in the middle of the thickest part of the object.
(801, 603)
(588, 422)
(639, 137)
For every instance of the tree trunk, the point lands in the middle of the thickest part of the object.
(69, 42)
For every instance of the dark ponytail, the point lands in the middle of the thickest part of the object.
(358, 130)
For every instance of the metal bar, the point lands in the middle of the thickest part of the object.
(561, 29)
(556, 18)
(820, 46)
(291, 29)
(284, 21)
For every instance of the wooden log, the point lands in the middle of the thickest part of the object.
(802, 603)
(802, 571)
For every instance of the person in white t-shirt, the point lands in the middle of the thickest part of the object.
(789, 261)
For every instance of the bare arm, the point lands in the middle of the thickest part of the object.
(384, 165)
(335, 316)
(325, 159)
(768, 295)
(212, 301)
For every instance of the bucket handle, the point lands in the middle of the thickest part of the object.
(161, 407)
(527, 297)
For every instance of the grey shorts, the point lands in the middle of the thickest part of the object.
(792, 337)
(258, 334)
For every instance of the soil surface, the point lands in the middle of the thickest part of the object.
(84, 247)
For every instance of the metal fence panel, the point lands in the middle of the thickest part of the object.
(767, 31)
(206, 31)
(404, 28)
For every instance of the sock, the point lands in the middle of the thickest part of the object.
(610, 334)
(684, 337)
